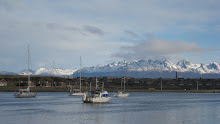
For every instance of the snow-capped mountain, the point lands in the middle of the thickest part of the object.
(56, 72)
(25, 72)
(50, 72)
(151, 65)
(144, 68)
(156, 65)
(213, 66)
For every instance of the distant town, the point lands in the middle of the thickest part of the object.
(9, 83)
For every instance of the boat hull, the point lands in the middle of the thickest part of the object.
(97, 100)
(26, 95)
(122, 95)
(76, 94)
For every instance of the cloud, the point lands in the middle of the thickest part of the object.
(53, 26)
(157, 47)
(93, 30)
(52, 40)
(64, 30)
(9, 5)
(83, 30)
(131, 33)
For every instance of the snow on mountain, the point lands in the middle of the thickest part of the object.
(25, 72)
(141, 65)
(142, 68)
(184, 64)
(56, 72)
(50, 72)
(187, 66)
(155, 65)
(101, 68)
(151, 65)
(213, 66)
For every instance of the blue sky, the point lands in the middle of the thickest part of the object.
(104, 31)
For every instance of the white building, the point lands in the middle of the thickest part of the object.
(3, 83)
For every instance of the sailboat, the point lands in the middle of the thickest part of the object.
(77, 92)
(120, 92)
(26, 93)
(97, 96)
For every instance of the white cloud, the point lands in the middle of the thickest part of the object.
(157, 47)
(64, 30)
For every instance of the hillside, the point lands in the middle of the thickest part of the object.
(59, 84)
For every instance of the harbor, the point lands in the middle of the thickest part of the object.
(139, 107)
(109, 62)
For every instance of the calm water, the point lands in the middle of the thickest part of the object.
(151, 108)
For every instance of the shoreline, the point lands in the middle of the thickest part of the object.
(66, 89)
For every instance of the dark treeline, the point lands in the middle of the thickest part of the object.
(112, 83)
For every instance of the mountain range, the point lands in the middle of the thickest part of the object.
(155, 69)
(139, 69)
(49, 72)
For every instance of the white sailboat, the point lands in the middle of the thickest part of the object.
(97, 96)
(26, 93)
(77, 92)
(122, 93)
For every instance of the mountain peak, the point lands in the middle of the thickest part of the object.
(214, 66)
(149, 66)
(184, 63)
(50, 72)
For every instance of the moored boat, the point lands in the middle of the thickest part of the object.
(97, 96)
(77, 92)
(120, 92)
(26, 93)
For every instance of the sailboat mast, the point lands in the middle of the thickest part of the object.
(102, 86)
(53, 73)
(28, 66)
(80, 73)
(53, 70)
(124, 75)
(96, 85)
(121, 85)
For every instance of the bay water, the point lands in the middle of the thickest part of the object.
(138, 108)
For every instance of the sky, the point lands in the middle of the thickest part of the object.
(105, 31)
